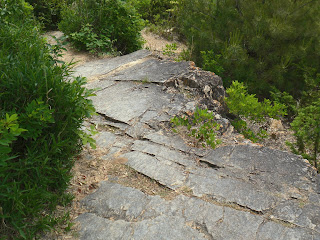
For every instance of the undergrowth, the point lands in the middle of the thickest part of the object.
(102, 26)
(201, 126)
(41, 116)
(247, 107)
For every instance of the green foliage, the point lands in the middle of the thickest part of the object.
(287, 100)
(211, 62)
(306, 124)
(9, 131)
(307, 130)
(41, 114)
(102, 25)
(153, 10)
(48, 12)
(170, 49)
(312, 81)
(86, 39)
(15, 11)
(242, 127)
(248, 106)
(263, 43)
(201, 126)
(158, 15)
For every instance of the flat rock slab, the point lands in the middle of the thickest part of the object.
(126, 101)
(119, 212)
(104, 66)
(152, 70)
(246, 177)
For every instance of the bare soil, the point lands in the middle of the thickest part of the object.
(157, 43)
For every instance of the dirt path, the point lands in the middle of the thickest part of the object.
(153, 43)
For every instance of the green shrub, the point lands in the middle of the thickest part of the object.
(287, 100)
(41, 114)
(201, 125)
(170, 50)
(159, 15)
(86, 39)
(262, 43)
(307, 131)
(211, 62)
(102, 25)
(247, 106)
(48, 12)
(153, 10)
(306, 124)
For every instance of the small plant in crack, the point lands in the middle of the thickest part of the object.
(145, 80)
(200, 125)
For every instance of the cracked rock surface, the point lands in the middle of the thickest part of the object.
(242, 191)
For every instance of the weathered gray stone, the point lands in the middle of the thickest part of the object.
(206, 85)
(161, 228)
(272, 230)
(104, 66)
(104, 121)
(236, 225)
(307, 216)
(164, 228)
(138, 130)
(113, 151)
(267, 168)
(111, 201)
(100, 85)
(163, 152)
(200, 211)
(173, 141)
(94, 227)
(152, 70)
(148, 116)
(105, 139)
(231, 191)
(120, 212)
(127, 101)
(314, 198)
(162, 170)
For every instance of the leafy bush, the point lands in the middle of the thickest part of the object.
(41, 114)
(247, 106)
(170, 49)
(48, 12)
(211, 62)
(201, 126)
(287, 100)
(306, 124)
(307, 130)
(153, 10)
(86, 39)
(102, 25)
(159, 15)
(262, 43)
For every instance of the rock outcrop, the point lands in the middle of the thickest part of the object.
(239, 191)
